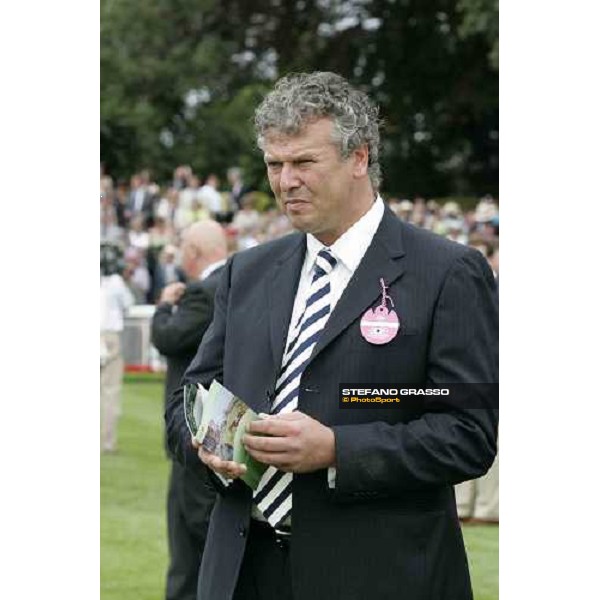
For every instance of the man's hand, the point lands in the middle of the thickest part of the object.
(226, 468)
(291, 442)
(172, 292)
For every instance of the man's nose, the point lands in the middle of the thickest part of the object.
(289, 177)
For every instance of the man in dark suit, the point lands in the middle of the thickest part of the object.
(142, 198)
(238, 188)
(165, 271)
(356, 503)
(181, 319)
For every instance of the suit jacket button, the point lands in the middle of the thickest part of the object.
(243, 531)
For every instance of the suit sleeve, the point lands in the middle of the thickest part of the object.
(180, 332)
(451, 443)
(206, 366)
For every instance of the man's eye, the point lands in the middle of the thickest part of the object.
(274, 165)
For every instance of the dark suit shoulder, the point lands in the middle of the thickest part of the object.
(249, 265)
(436, 247)
(434, 254)
(430, 251)
(194, 287)
(269, 251)
(198, 287)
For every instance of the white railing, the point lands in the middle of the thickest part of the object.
(138, 351)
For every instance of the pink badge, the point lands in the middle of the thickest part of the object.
(380, 325)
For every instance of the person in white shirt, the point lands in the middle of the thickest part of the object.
(115, 299)
(138, 236)
(209, 197)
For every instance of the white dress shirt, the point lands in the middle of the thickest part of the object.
(212, 268)
(348, 250)
(210, 198)
(138, 199)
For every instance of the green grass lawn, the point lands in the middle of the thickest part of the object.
(482, 551)
(133, 546)
(133, 543)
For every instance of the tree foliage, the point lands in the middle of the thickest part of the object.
(480, 17)
(180, 80)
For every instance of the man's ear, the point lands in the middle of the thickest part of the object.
(360, 157)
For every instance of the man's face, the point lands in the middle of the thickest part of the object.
(313, 184)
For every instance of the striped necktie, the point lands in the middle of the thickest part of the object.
(273, 495)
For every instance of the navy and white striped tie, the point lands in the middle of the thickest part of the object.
(273, 495)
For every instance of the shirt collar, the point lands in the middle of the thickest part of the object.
(212, 268)
(350, 247)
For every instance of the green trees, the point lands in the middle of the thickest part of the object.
(180, 80)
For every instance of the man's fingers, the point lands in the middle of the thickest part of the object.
(295, 415)
(172, 292)
(227, 468)
(231, 469)
(203, 454)
(268, 444)
(277, 425)
(281, 460)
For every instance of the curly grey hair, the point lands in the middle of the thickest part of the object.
(300, 98)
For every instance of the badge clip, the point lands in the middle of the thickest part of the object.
(380, 325)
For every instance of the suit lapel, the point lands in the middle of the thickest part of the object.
(381, 260)
(281, 292)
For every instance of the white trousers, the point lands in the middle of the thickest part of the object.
(111, 381)
(480, 498)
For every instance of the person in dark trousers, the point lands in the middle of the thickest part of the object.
(183, 314)
(356, 503)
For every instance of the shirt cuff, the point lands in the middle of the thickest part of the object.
(223, 480)
(331, 473)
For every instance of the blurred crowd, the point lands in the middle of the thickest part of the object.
(479, 227)
(146, 220)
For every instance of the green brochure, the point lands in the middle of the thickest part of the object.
(217, 420)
